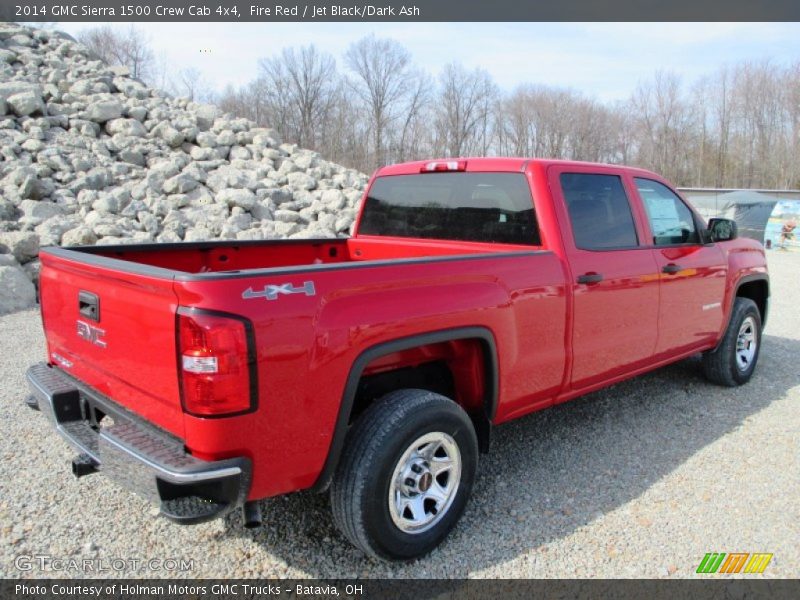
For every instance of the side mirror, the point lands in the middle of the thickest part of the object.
(722, 230)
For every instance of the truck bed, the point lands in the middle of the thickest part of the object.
(363, 291)
(185, 261)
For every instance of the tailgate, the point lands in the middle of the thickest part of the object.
(115, 331)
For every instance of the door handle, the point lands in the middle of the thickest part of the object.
(590, 278)
(89, 305)
(671, 268)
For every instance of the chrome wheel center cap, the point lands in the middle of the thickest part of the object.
(425, 481)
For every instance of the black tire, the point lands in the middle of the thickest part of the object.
(360, 491)
(721, 365)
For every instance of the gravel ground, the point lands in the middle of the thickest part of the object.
(639, 480)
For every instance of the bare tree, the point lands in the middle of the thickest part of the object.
(723, 109)
(129, 48)
(382, 81)
(736, 127)
(665, 121)
(304, 80)
(346, 130)
(791, 85)
(103, 41)
(414, 130)
(515, 131)
(558, 123)
(758, 98)
(462, 109)
(247, 101)
(189, 83)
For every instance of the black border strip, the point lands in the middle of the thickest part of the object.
(491, 392)
(423, 11)
(388, 588)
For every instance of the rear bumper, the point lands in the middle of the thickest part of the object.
(135, 453)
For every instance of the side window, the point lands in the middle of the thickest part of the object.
(670, 219)
(599, 210)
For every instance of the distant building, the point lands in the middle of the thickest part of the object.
(758, 213)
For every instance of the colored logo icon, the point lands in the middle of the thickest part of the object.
(734, 562)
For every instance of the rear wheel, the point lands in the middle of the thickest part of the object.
(733, 361)
(406, 474)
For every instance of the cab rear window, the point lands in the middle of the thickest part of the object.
(474, 207)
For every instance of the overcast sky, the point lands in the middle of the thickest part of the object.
(603, 60)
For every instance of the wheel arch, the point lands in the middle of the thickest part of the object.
(755, 287)
(482, 422)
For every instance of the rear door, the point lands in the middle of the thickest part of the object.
(114, 331)
(614, 277)
(692, 274)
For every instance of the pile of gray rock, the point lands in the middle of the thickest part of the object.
(89, 155)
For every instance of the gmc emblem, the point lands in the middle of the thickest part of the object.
(91, 334)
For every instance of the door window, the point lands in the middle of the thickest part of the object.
(599, 211)
(670, 219)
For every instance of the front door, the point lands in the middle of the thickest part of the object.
(692, 274)
(614, 278)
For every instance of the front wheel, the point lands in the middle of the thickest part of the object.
(405, 475)
(733, 361)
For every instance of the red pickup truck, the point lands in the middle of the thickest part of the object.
(208, 376)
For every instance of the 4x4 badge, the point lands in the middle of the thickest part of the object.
(271, 292)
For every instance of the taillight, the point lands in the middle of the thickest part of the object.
(217, 363)
(444, 165)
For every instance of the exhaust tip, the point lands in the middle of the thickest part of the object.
(251, 511)
(83, 464)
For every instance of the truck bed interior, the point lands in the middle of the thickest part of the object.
(232, 256)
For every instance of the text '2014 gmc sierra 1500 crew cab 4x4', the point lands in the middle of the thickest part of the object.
(207, 376)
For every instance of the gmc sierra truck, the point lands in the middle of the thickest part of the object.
(208, 376)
